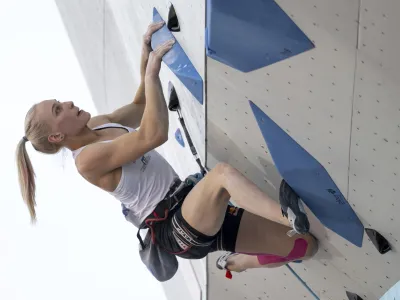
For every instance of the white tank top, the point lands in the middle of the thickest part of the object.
(144, 182)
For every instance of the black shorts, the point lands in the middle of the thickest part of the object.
(176, 236)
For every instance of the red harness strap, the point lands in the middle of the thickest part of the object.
(149, 223)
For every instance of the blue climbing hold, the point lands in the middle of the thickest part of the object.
(297, 261)
(393, 293)
(177, 60)
(310, 180)
(248, 35)
(179, 138)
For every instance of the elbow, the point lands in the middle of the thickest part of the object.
(153, 136)
(161, 139)
(156, 140)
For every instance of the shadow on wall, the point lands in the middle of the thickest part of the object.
(220, 148)
(121, 67)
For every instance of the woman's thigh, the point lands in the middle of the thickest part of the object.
(257, 235)
(204, 207)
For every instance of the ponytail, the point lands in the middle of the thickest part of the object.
(26, 177)
(36, 131)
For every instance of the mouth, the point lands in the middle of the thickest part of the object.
(79, 112)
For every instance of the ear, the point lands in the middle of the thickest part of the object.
(56, 137)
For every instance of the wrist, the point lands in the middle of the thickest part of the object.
(150, 78)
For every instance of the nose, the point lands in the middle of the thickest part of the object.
(69, 104)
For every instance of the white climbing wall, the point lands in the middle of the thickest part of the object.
(375, 145)
(339, 102)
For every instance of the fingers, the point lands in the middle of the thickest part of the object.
(161, 50)
(155, 58)
(153, 27)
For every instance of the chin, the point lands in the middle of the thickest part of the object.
(87, 116)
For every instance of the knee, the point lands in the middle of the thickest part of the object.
(220, 174)
(223, 170)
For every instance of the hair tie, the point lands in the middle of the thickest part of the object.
(25, 138)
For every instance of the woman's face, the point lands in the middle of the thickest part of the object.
(64, 118)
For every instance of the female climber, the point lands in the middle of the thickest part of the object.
(116, 152)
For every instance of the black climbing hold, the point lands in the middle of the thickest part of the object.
(173, 22)
(353, 296)
(173, 104)
(378, 240)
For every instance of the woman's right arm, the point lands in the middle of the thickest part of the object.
(101, 158)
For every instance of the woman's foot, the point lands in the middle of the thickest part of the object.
(223, 263)
(292, 208)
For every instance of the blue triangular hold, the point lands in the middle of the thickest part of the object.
(248, 35)
(310, 180)
(179, 138)
(177, 60)
(393, 293)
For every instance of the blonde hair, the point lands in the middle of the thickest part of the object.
(37, 133)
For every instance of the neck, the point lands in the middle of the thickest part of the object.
(86, 137)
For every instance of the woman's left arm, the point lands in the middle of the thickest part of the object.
(131, 114)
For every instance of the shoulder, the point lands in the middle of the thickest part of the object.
(98, 120)
(98, 174)
(87, 162)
